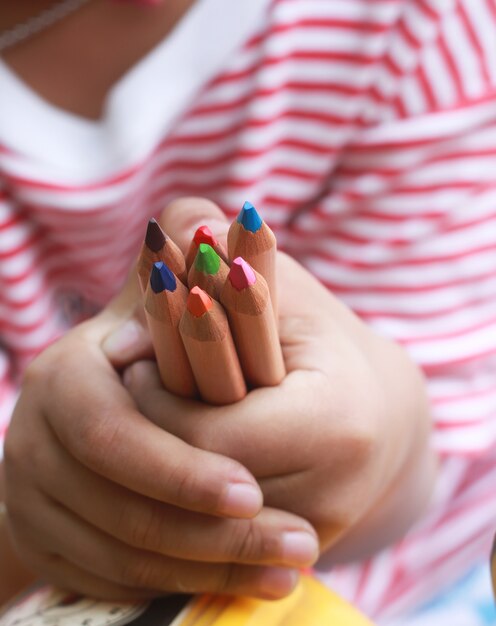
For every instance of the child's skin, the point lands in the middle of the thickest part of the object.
(106, 502)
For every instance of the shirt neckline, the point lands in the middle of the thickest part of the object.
(138, 110)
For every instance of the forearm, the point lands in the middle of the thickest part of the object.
(13, 575)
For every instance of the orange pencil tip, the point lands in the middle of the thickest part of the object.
(198, 302)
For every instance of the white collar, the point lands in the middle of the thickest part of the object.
(139, 109)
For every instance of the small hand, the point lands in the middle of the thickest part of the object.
(103, 501)
(342, 435)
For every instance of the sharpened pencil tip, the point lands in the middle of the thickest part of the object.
(161, 278)
(249, 218)
(207, 260)
(155, 236)
(203, 234)
(199, 302)
(241, 274)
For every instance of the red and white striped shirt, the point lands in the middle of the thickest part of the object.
(365, 131)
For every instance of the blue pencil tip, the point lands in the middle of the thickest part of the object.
(161, 278)
(249, 217)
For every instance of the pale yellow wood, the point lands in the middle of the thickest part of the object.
(259, 250)
(211, 283)
(163, 313)
(170, 254)
(193, 249)
(212, 355)
(255, 333)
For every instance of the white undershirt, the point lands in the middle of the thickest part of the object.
(138, 110)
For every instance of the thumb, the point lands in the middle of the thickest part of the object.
(124, 336)
(183, 216)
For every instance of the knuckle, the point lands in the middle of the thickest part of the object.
(200, 438)
(361, 445)
(182, 482)
(249, 542)
(47, 366)
(12, 451)
(21, 453)
(93, 437)
(358, 438)
(203, 436)
(36, 371)
(145, 529)
(188, 487)
(139, 572)
(225, 581)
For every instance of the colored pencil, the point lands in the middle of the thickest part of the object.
(246, 298)
(210, 347)
(208, 271)
(250, 238)
(165, 302)
(158, 247)
(203, 234)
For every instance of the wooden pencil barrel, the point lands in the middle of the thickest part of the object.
(255, 333)
(212, 355)
(259, 249)
(144, 266)
(211, 283)
(169, 254)
(173, 364)
(163, 313)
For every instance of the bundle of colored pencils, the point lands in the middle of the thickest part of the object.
(212, 316)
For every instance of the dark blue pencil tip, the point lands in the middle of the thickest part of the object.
(162, 278)
(249, 218)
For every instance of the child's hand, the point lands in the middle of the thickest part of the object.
(104, 502)
(341, 441)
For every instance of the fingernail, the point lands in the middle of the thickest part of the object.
(241, 500)
(123, 339)
(277, 582)
(299, 548)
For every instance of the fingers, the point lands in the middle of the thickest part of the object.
(129, 341)
(270, 432)
(66, 575)
(102, 556)
(273, 537)
(98, 424)
(183, 216)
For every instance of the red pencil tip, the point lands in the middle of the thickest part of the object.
(198, 302)
(241, 274)
(203, 234)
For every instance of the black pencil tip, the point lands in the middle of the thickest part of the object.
(155, 236)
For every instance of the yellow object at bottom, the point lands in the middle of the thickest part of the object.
(310, 604)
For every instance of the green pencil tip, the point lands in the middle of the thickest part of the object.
(207, 260)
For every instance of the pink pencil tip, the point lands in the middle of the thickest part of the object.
(241, 274)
